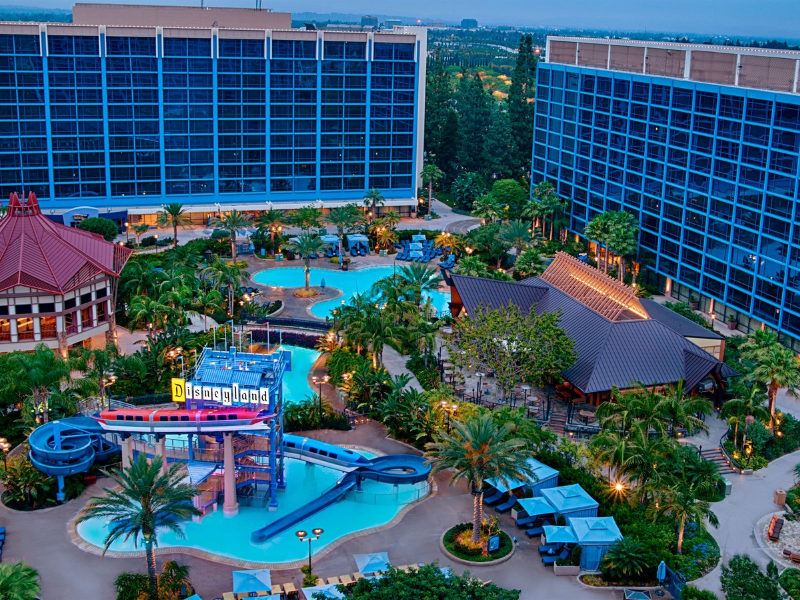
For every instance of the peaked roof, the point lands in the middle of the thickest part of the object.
(678, 323)
(36, 252)
(568, 498)
(609, 353)
(595, 530)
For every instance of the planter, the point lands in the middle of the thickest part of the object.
(515, 513)
(694, 305)
(471, 563)
(733, 324)
(279, 257)
(566, 570)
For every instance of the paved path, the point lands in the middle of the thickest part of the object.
(395, 363)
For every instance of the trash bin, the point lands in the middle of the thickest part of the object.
(780, 497)
(279, 257)
(728, 486)
(427, 217)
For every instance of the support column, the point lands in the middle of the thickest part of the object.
(161, 450)
(230, 506)
(127, 451)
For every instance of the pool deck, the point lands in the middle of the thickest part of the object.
(41, 539)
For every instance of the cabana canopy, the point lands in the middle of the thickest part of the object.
(418, 238)
(544, 475)
(559, 535)
(536, 506)
(571, 500)
(328, 591)
(357, 239)
(595, 530)
(374, 562)
(258, 580)
(330, 238)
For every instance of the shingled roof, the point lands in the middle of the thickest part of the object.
(37, 253)
(610, 353)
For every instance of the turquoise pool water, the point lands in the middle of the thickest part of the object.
(350, 282)
(295, 382)
(375, 505)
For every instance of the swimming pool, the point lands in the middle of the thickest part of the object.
(350, 282)
(377, 504)
(295, 382)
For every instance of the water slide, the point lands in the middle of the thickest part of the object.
(69, 446)
(392, 469)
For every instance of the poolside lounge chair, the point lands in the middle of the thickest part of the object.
(353, 252)
(494, 498)
(525, 522)
(534, 531)
(553, 548)
(363, 251)
(507, 505)
(551, 560)
(290, 590)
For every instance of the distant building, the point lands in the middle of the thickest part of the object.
(368, 21)
(469, 23)
(391, 23)
(436, 25)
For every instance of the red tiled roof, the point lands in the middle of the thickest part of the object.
(40, 254)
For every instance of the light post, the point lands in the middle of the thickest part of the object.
(5, 446)
(448, 410)
(127, 232)
(303, 536)
(104, 382)
(481, 375)
(183, 366)
(273, 230)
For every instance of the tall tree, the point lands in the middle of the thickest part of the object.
(478, 450)
(623, 236)
(487, 208)
(520, 101)
(449, 146)
(372, 199)
(598, 230)
(172, 215)
(273, 222)
(543, 194)
(776, 367)
(438, 99)
(226, 274)
(500, 153)
(420, 279)
(680, 407)
(145, 501)
(307, 217)
(517, 234)
(232, 222)
(475, 113)
(467, 188)
(431, 176)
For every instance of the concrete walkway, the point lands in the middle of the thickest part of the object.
(395, 363)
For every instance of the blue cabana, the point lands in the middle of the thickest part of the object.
(356, 240)
(595, 536)
(571, 501)
(418, 238)
(558, 535)
(330, 239)
(546, 477)
(536, 507)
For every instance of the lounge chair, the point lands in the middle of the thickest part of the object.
(551, 559)
(363, 252)
(551, 548)
(525, 522)
(507, 505)
(492, 498)
(534, 531)
(353, 252)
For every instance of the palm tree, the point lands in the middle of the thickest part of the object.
(183, 260)
(648, 409)
(145, 502)
(18, 581)
(385, 237)
(679, 501)
(140, 279)
(144, 310)
(680, 408)
(599, 230)
(748, 401)
(372, 199)
(307, 217)
(305, 245)
(420, 278)
(224, 273)
(516, 234)
(231, 222)
(273, 222)
(37, 376)
(139, 230)
(487, 208)
(626, 559)
(478, 450)
(619, 415)
(206, 298)
(643, 456)
(543, 194)
(391, 218)
(431, 175)
(776, 367)
(472, 266)
(609, 448)
(172, 215)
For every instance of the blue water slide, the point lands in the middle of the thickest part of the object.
(69, 446)
(392, 469)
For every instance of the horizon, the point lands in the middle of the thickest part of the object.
(771, 19)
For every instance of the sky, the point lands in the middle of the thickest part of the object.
(762, 18)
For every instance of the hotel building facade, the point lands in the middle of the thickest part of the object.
(702, 145)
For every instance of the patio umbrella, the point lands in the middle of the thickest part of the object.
(661, 572)
(327, 591)
(258, 580)
(330, 238)
(373, 562)
(536, 506)
(194, 597)
(637, 595)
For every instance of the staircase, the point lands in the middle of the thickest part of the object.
(558, 417)
(716, 456)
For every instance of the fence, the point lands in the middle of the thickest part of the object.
(401, 495)
(148, 400)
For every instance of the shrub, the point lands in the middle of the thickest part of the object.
(684, 310)
(343, 361)
(131, 586)
(475, 554)
(790, 582)
(220, 234)
(626, 561)
(429, 376)
(104, 227)
(692, 593)
(744, 580)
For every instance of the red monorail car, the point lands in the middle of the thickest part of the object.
(196, 420)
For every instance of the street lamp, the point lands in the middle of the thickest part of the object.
(127, 232)
(303, 536)
(104, 382)
(4, 448)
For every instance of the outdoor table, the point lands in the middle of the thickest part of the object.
(586, 414)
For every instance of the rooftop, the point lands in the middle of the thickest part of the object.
(37, 253)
